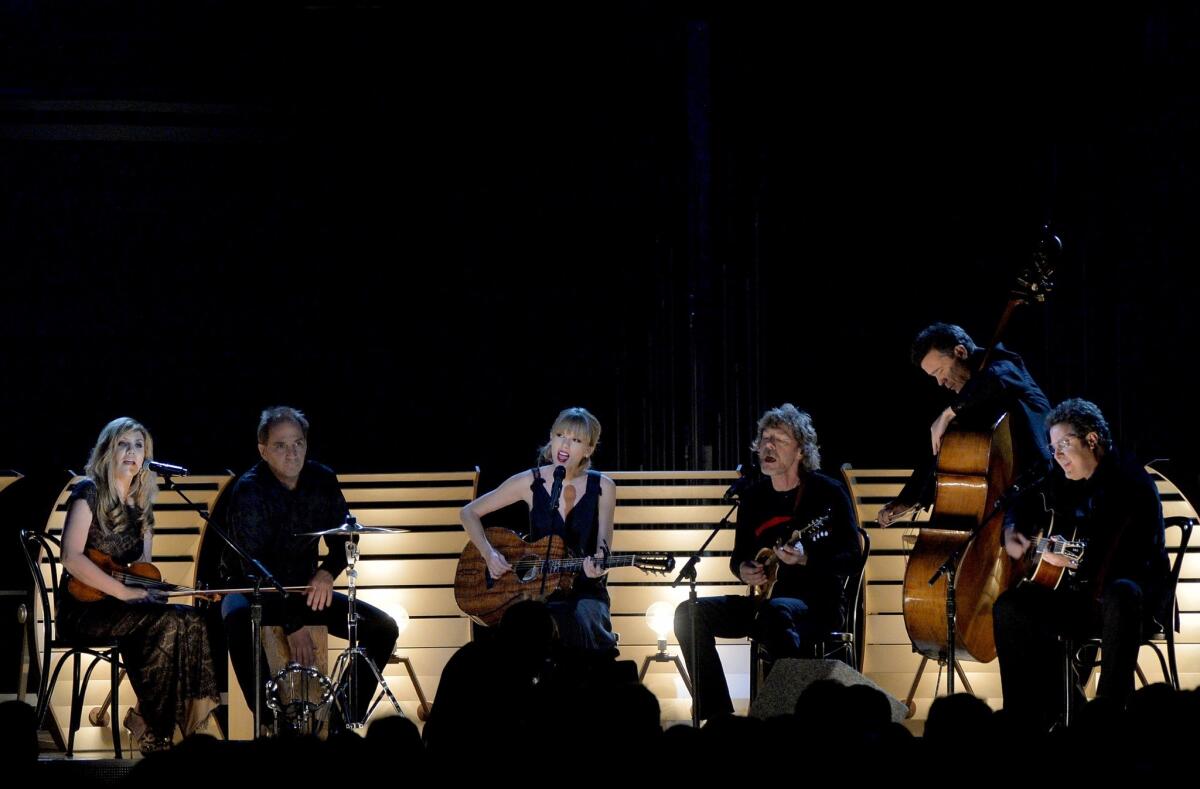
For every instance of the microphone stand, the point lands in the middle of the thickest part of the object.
(689, 573)
(555, 492)
(264, 575)
(949, 567)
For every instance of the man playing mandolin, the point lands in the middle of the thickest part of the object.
(1118, 587)
(808, 597)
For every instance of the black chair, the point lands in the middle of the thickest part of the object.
(1166, 632)
(845, 642)
(44, 548)
(842, 644)
(1081, 657)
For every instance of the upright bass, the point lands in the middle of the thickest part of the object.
(974, 467)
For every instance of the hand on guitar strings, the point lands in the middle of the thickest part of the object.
(496, 563)
(593, 565)
(790, 553)
(752, 573)
(1015, 543)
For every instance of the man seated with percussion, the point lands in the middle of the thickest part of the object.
(809, 595)
(1108, 508)
(947, 354)
(281, 497)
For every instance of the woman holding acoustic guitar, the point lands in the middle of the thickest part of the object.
(165, 648)
(566, 498)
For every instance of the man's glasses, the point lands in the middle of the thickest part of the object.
(1061, 446)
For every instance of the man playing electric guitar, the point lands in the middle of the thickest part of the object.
(1114, 590)
(809, 596)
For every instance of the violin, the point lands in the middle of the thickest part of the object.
(147, 576)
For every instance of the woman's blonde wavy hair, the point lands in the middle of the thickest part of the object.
(110, 510)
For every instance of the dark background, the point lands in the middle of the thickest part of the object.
(433, 229)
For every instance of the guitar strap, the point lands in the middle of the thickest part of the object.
(778, 519)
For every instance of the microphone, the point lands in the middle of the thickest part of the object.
(560, 473)
(1033, 478)
(740, 484)
(166, 469)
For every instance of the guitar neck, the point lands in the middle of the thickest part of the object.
(797, 538)
(575, 564)
(1050, 545)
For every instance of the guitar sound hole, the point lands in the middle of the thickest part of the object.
(526, 568)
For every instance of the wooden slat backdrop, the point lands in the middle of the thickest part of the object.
(8, 477)
(656, 511)
(673, 511)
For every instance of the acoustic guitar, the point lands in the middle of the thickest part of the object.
(539, 570)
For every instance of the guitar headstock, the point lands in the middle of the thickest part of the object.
(1036, 279)
(1072, 549)
(660, 563)
(817, 527)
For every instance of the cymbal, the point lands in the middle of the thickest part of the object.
(353, 527)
